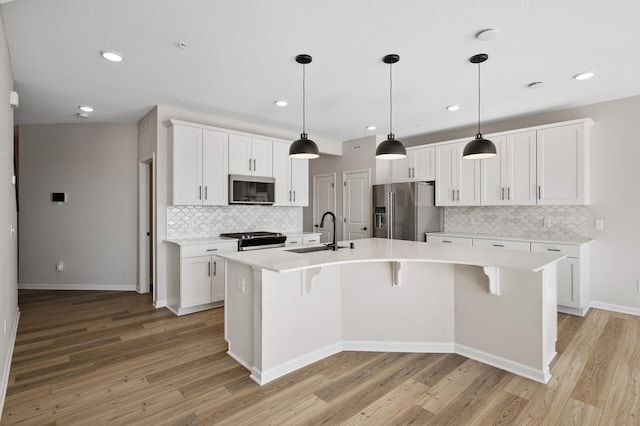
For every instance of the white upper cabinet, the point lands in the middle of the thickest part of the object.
(563, 165)
(457, 179)
(418, 165)
(250, 156)
(292, 177)
(510, 177)
(199, 166)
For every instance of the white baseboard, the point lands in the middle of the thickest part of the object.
(409, 347)
(616, 308)
(59, 286)
(541, 376)
(162, 304)
(264, 377)
(5, 373)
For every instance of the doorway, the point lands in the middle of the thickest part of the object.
(146, 225)
(356, 204)
(324, 200)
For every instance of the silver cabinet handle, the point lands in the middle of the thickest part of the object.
(212, 249)
(215, 268)
(458, 191)
(289, 195)
(539, 192)
(409, 171)
(502, 193)
(206, 192)
(498, 245)
(508, 192)
(200, 192)
(447, 241)
(313, 241)
(209, 269)
(254, 164)
(453, 195)
(553, 249)
(294, 195)
(249, 164)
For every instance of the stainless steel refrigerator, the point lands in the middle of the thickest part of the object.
(405, 211)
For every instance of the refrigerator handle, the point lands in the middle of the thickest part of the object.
(390, 219)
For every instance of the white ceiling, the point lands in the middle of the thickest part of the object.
(240, 59)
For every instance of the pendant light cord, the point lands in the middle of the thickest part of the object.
(390, 99)
(304, 101)
(478, 97)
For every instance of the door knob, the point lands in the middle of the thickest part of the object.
(364, 229)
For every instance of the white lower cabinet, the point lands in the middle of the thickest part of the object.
(196, 276)
(458, 241)
(302, 240)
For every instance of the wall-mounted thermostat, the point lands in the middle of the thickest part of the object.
(58, 197)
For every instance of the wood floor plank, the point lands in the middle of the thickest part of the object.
(595, 381)
(102, 357)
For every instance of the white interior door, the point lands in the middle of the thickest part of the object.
(324, 200)
(357, 204)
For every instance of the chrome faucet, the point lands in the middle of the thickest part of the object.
(334, 245)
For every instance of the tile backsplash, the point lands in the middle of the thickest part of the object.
(199, 221)
(566, 222)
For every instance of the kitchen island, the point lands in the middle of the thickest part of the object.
(285, 310)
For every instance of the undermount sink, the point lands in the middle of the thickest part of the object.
(312, 249)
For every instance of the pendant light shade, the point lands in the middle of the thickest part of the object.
(479, 147)
(391, 149)
(303, 147)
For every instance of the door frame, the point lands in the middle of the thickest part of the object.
(144, 163)
(316, 219)
(344, 201)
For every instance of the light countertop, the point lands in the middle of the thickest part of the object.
(383, 250)
(576, 241)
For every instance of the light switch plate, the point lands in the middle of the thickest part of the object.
(599, 224)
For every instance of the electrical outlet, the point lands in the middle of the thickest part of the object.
(5, 326)
(547, 222)
(240, 284)
(472, 221)
(60, 266)
(599, 224)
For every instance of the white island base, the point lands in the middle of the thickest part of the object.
(405, 297)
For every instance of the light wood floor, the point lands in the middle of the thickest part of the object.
(94, 358)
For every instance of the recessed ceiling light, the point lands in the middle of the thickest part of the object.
(488, 34)
(281, 103)
(85, 108)
(370, 128)
(453, 107)
(536, 85)
(83, 114)
(583, 75)
(111, 56)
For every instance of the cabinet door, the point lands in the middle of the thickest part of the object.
(195, 281)
(261, 157)
(282, 172)
(400, 170)
(520, 156)
(456, 241)
(299, 182)
(445, 175)
(493, 175)
(561, 165)
(215, 173)
(240, 155)
(468, 177)
(423, 162)
(569, 282)
(187, 165)
(217, 279)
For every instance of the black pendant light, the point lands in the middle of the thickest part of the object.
(391, 149)
(303, 147)
(479, 147)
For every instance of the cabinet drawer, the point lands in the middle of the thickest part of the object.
(450, 240)
(208, 249)
(293, 241)
(509, 245)
(310, 239)
(568, 249)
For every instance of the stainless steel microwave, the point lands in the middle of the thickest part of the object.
(251, 190)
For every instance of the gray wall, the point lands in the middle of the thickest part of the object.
(94, 232)
(362, 158)
(8, 218)
(615, 150)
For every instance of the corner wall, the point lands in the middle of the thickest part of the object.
(8, 219)
(615, 198)
(94, 232)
